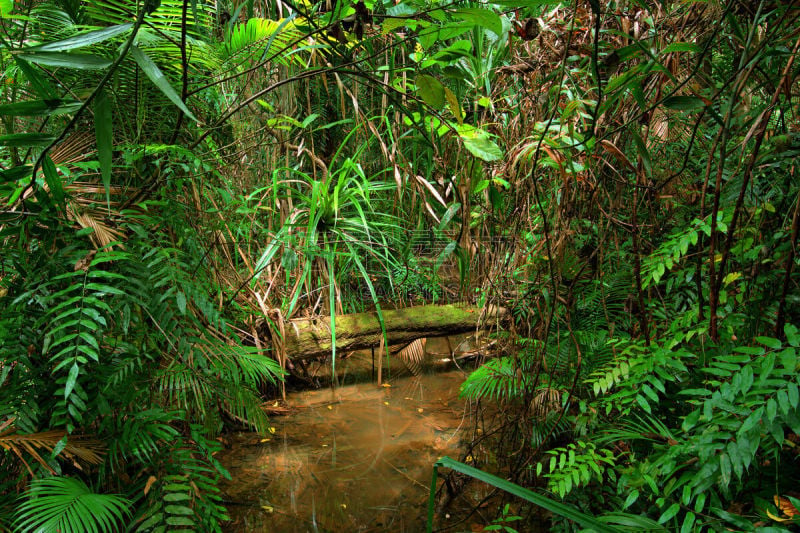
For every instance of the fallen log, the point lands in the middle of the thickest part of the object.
(307, 338)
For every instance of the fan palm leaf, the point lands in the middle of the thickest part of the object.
(67, 505)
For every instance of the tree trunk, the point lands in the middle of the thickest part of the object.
(307, 338)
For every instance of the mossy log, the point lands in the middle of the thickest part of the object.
(311, 337)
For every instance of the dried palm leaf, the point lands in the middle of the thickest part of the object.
(413, 355)
(104, 234)
(77, 147)
(546, 400)
(83, 449)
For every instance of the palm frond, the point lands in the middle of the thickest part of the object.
(248, 39)
(88, 451)
(67, 505)
(413, 355)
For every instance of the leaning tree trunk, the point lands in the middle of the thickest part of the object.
(311, 337)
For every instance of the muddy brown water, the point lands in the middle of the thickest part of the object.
(354, 459)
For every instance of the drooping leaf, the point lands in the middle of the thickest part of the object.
(67, 60)
(430, 90)
(484, 18)
(104, 132)
(567, 511)
(53, 181)
(453, 104)
(26, 139)
(680, 47)
(157, 77)
(84, 39)
(15, 173)
(479, 143)
(71, 379)
(41, 107)
(39, 84)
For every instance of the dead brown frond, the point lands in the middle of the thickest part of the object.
(76, 147)
(104, 234)
(78, 449)
(413, 355)
(546, 400)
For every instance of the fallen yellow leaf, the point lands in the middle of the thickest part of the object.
(271, 430)
(150, 481)
(385, 403)
(265, 440)
(786, 508)
(330, 407)
(267, 508)
(420, 409)
(387, 385)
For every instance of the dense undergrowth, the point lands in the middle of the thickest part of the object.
(181, 178)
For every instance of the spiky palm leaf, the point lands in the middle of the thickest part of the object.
(248, 40)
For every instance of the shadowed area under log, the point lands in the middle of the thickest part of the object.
(311, 337)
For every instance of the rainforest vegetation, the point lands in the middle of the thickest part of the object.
(180, 178)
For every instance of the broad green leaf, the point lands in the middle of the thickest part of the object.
(180, 299)
(15, 173)
(104, 133)
(84, 39)
(484, 18)
(26, 139)
(157, 77)
(40, 107)
(680, 47)
(567, 511)
(53, 181)
(67, 60)
(479, 143)
(71, 379)
(669, 513)
(688, 523)
(180, 521)
(6, 7)
(390, 24)
(770, 342)
(430, 90)
(524, 4)
(448, 215)
(34, 77)
(454, 105)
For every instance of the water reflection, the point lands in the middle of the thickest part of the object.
(355, 459)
